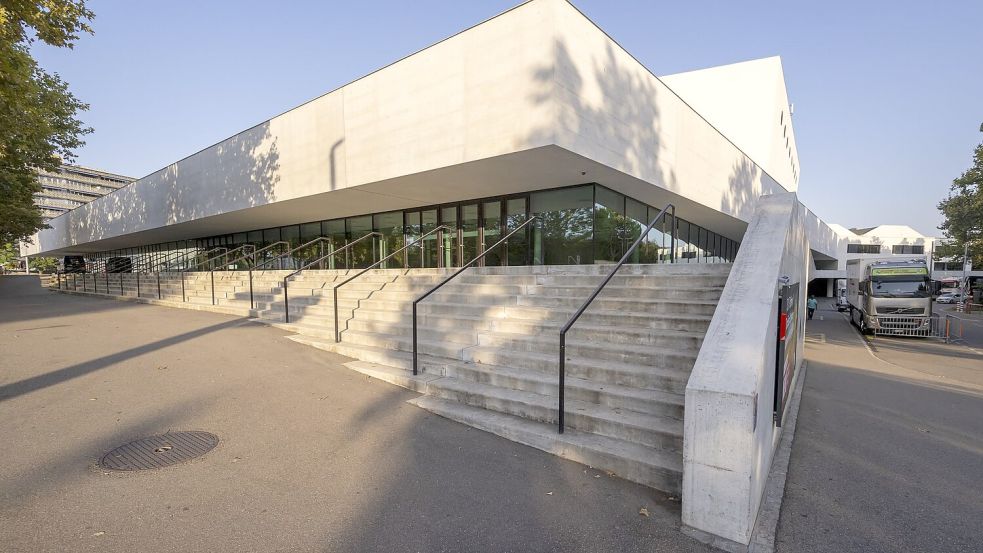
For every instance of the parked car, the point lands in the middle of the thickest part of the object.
(950, 297)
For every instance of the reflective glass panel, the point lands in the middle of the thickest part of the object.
(563, 234)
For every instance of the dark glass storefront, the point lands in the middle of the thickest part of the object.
(583, 224)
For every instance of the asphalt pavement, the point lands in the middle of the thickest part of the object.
(888, 452)
(313, 456)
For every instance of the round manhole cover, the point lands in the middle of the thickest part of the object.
(159, 451)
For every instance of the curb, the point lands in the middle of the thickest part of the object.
(766, 526)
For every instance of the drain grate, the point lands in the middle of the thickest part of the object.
(159, 451)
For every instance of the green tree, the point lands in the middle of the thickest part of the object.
(963, 212)
(38, 124)
(44, 264)
(9, 256)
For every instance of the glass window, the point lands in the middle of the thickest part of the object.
(564, 233)
(390, 226)
(414, 254)
(491, 227)
(363, 253)
(610, 234)
(335, 231)
(448, 217)
(469, 232)
(518, 244)
(636, 219)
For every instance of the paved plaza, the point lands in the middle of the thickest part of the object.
(313, 456)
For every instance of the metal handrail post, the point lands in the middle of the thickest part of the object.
(107, 283)
(138, 284)
(212, 272)
(210, 259)
(337, 332)
(121, 284)
(286, 301)
(251, 304)
(279, 258)
(184, 295)
(586, 304)
(459, 271)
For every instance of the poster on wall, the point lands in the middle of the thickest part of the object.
(787, 338)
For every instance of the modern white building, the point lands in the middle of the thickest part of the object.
(72, 186)
(535, 113)
(884, 241)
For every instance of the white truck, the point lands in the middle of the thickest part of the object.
(889, 296)
(842, 304)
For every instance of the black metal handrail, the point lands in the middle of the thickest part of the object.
(286, 304)
(586, 304)
(252, 303)
(209, 260)
(337, 332)
(176, 255)
(300, 247)
(459, 271)
(253, 254)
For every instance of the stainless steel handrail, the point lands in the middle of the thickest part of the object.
(586, 304)
(227, 251)
(459, 271)
(300, 247)
(337, 332)
(257, 252)
(252, 302)
(286, 304)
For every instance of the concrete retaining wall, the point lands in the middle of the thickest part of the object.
(729, 433)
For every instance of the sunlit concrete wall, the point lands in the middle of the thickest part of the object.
(471, 96)
(729, 434)
(540, 75)
(612, 109)
(749, 104)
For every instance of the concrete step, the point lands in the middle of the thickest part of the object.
(649, 430)
(658, 292)
(695, 307)
(380, 321)
(658, 356)
(671, 375)
(667, 379)
(641, 428)
(643, 400)
(647, 466)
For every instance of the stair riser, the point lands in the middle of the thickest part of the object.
(573, 420)
(625, 305)
(680, 294)
(474, 374)
(671, 378)
(636, 281)
(598, 353)
(377, 321)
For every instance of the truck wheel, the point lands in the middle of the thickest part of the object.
(863, 327)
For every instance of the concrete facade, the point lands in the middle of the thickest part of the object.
(568, 105)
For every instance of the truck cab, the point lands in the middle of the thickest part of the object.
(889, 296)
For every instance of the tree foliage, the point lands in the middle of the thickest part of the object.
(8, 255)
(44, 264)
(963, 211)
(38, 114)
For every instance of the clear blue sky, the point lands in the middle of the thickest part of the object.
(888, 94)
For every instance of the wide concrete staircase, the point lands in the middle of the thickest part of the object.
(489, 345)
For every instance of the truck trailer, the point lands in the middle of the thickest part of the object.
(889, 296)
